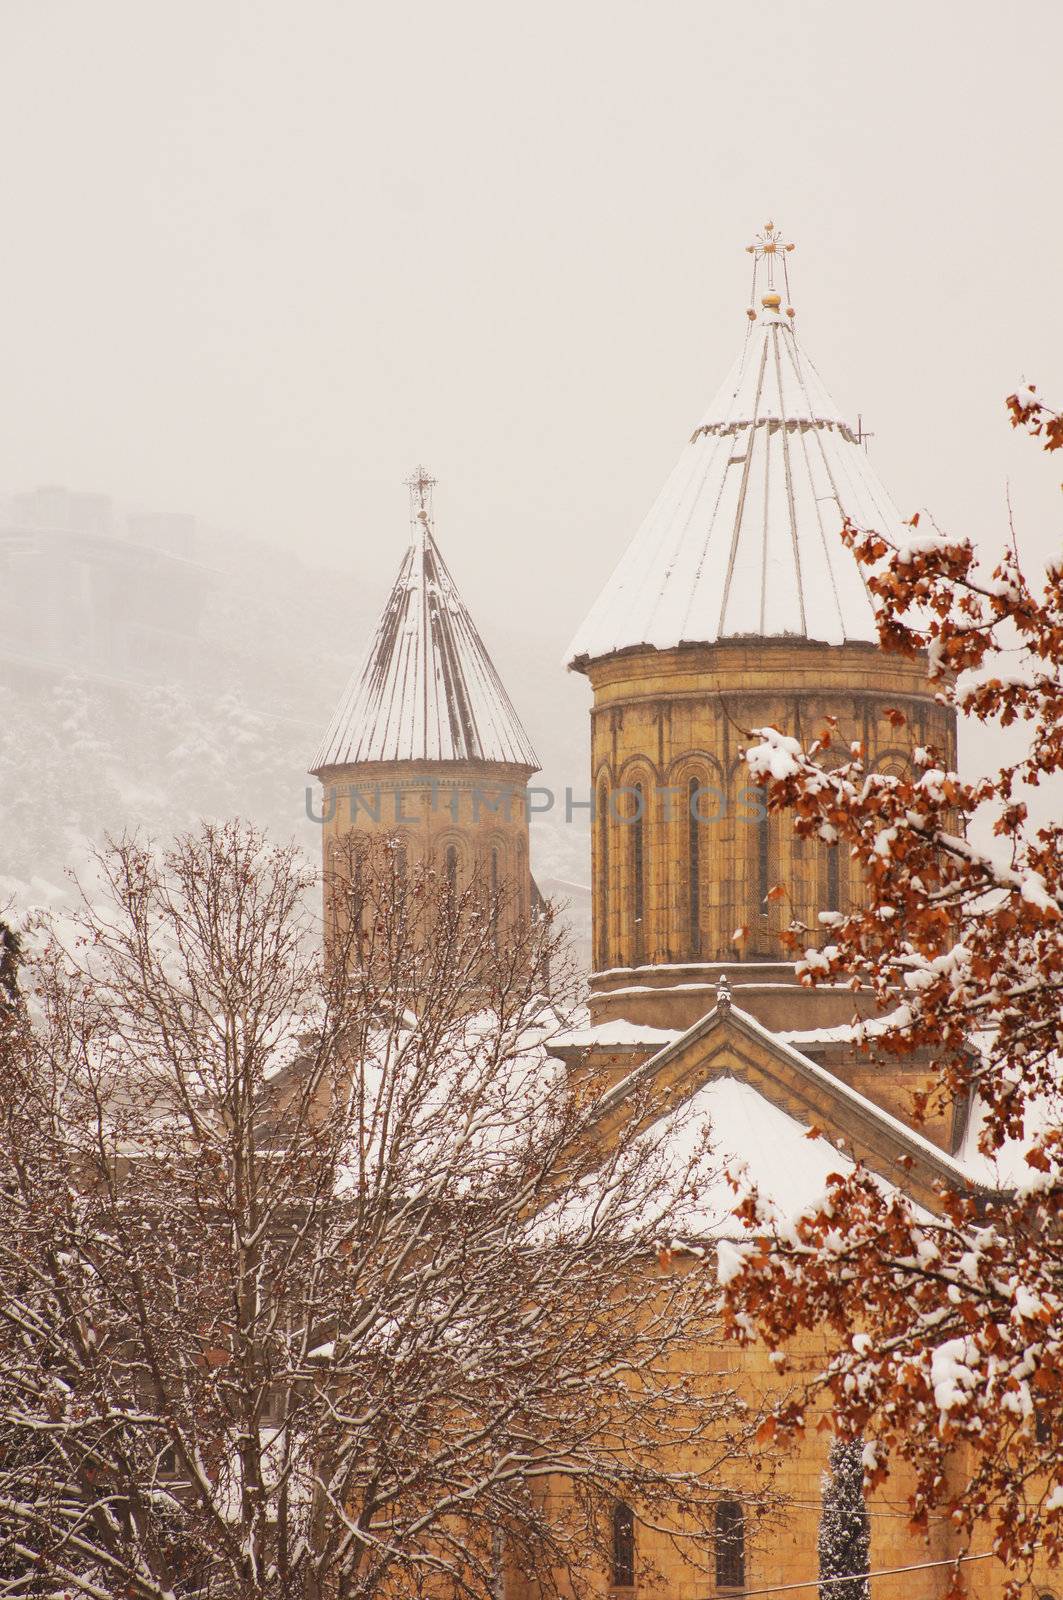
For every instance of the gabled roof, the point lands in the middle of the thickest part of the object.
(426, 689)
(744, 539)
(761, 1100)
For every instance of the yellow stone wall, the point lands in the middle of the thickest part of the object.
(781, 1545)
(469, 817)
(662, 720)
(665, 720)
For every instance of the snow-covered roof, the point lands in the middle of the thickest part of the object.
(814, 1097)
(426, 689)
(756, 1145)
(744, 539)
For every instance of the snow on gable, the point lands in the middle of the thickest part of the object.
(756, 1144)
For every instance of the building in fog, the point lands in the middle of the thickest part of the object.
(85, 587)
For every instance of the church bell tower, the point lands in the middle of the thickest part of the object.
(426, 748)
(737, 606)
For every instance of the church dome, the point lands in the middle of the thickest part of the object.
(744, 539)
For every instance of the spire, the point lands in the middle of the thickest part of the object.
(426, 690)
(744, 540)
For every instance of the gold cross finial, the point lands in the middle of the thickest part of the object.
(769, 246)
(420, 484)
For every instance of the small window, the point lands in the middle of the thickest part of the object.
(623, 1546)
(694, 867)
(730, 1545)
(833, 887)
(522, 880)
(603, 876)
(763, 864)
(451, 860)
(638, 875)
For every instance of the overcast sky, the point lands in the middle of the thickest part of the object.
(259, 258)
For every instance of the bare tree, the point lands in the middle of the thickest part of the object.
(317, 1279)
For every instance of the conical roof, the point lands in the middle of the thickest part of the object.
(744, 540)
(426, 689)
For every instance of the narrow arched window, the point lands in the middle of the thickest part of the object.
(694, 867)
(602, 928)
(522, 881)
(730, 1545)
(451, 860)
(763, 864)
(493, 889)
(357, 889)
(833, 895)
(623, 1546)
(638, 873)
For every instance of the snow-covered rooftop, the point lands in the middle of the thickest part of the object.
(426, 689)
(744, 539)
(756, 1145)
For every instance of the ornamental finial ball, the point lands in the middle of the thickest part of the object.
(772, 301)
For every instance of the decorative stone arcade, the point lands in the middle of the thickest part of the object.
(736, 606)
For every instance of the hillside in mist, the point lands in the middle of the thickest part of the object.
(153, 672)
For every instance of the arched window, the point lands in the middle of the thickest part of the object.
(730, 1545)
(522, 880)
(763, 864)
(694, 868)
(833, 892)
(602, 924)
(762, 868)
(348, 874)
(494, 875)
(623, 1546)
(638, 874)
(357, 886)
(451, 863)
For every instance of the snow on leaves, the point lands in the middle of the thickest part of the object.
(958, 1364)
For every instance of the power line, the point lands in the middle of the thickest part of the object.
(880, 1572)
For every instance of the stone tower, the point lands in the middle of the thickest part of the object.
(736, 606)
(426, 747)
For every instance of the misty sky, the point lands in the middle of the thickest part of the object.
(259, 258)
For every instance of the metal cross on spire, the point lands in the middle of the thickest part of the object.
(420, 484)
(770, 247)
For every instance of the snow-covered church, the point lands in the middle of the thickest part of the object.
(736, 605)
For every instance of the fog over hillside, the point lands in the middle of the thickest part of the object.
(156, 671)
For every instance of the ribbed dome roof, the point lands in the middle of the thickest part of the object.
(426, 689)
(744, 539)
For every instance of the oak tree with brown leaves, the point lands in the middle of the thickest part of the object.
(949, 1330)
